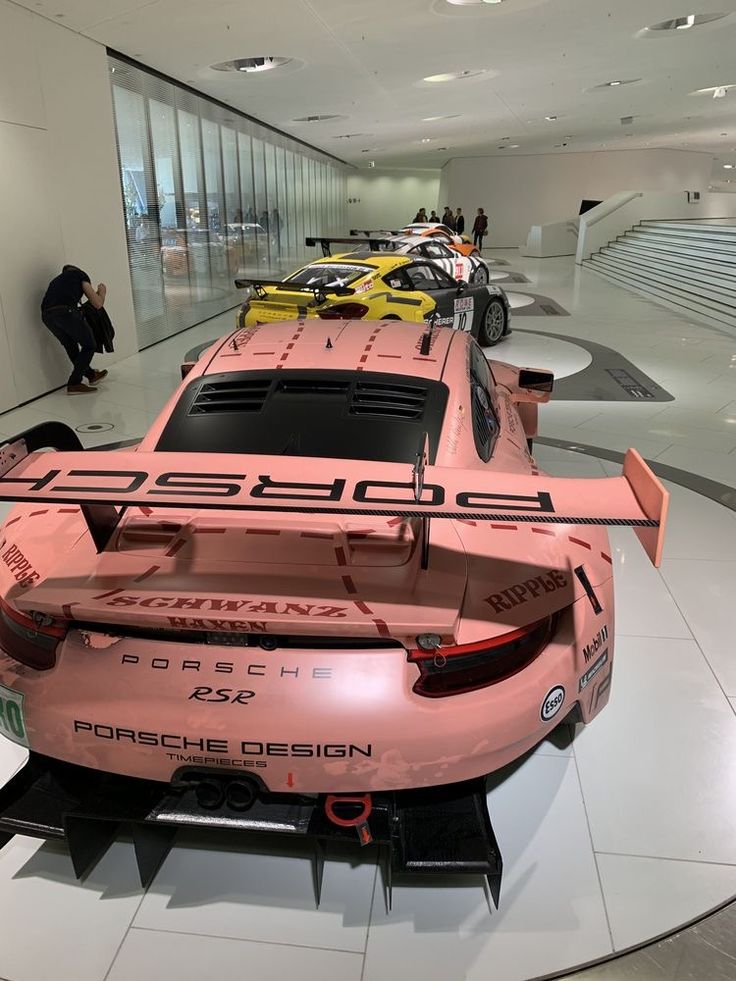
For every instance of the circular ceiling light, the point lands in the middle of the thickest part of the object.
(321, 118)
(455, 76)
(263, 63)
(684, 23)
(426, 139)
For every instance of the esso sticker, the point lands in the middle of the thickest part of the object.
(552, 703)
(463, 319)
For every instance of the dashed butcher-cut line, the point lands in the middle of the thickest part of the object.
(394, 521)
(388, 356)
(210, 531)
(262, 531)
(68, 511)
(12, 521)
(543, 531)
(147, 574)
(67, 609)
(349, 584)
(321, 535)
(235, 354)
(382, 627)
(363, 607)
(607, 558)
(145, 510)
(340, 556)
(579, 541)
(433, 360)
(176, 547)
(111, 592)
(504, 527)
(35, 514)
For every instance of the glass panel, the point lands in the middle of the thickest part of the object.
(141, 211)
(209, 196)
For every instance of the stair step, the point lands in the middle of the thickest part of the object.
(696, 291)
(696, 243)
(666, 298)
(710, 262)
(726, 233)
(709, 280)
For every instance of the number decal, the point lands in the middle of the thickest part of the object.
(463, 313)
(12, 723)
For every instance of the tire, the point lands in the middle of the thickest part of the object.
(494, 323)
(391, 316)
(480, 276)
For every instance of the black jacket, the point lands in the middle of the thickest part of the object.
(460, 224)
(101, 327)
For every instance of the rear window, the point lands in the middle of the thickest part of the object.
(329, 274)
(339, 415)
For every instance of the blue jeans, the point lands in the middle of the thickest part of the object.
(73, 333)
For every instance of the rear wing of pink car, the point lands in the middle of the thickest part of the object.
(100, 482)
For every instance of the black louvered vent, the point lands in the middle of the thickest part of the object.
(397, 401)
(232, 396)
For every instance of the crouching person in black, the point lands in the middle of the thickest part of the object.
(61, 314)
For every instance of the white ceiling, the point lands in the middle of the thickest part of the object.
(364, 59)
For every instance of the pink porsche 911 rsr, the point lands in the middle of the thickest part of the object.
(327, 593)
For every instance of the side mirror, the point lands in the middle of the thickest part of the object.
(461, 286)
(536, 380)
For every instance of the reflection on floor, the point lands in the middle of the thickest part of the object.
(609, 840)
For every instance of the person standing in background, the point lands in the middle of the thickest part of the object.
(448, 218)
(420, 217)
(480, 228)
(61, 315)
(460, 222)
(434, 217)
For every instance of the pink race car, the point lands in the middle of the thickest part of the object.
(326, 595)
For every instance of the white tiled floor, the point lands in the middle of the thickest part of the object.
(618, 836)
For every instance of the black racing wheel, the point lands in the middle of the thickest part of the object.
(493, 324)
(480, 276)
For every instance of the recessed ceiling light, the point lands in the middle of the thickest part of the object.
(472, 3)
(455, 76)
(514, 146)
(684, 23)
(728, 166)
(322, 118)
(259, 64)
(616, 82)
(426, 139)
(551, 119)
(434, 119)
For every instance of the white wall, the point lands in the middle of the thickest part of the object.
(390, 198)
(520, 191)
(59, 195)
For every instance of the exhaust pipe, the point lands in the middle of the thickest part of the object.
(210, 794)
(240, 795)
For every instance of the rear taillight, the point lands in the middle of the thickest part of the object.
(32, 638)
(468, 667)
(344, 311)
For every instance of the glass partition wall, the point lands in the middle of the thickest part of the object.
(210, 195)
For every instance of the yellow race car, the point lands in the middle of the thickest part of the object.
(375, 286)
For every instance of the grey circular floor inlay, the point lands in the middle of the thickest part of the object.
(95, 427)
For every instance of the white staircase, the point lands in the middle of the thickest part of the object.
(689, 266)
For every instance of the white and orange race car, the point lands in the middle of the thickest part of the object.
(471, 268)
(431, 230)
(327, 593)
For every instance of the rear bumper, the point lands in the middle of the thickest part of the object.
(444, 830)
(300, 721)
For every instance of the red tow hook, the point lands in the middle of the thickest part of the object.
(349, 817)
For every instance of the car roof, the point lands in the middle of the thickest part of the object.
(391, 347)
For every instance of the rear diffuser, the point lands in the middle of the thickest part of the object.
(440, 830)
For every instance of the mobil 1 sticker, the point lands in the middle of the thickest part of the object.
(593, 670)
(463, 319)
(552, 703)
(12, 723)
